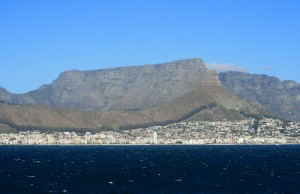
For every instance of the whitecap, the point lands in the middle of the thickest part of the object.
(178, 180)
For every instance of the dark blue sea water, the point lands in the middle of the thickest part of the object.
(150, 169)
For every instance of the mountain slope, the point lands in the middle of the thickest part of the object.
(201, 104)
(126, 97)
(117, 88)
(280, 97)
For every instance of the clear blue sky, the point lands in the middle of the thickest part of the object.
(40, 39)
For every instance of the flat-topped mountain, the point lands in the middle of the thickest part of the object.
(280, 97)
(119, 88)
(126, 97)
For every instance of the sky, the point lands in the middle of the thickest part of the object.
(40, 39)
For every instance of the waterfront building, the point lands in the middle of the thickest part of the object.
(155, 138)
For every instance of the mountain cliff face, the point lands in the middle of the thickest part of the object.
(5, 96)
(129, 96)
(119, 88)
(280, 97)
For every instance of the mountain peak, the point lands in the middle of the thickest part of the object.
(148, 94)
(280, 97)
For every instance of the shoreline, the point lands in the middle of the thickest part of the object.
(148, 144)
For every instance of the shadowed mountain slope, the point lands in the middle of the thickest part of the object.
(201, 104)
(280, 97)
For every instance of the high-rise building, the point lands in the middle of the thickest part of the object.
(155, 138)
(87, 136)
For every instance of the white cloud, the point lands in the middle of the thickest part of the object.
(220, 67)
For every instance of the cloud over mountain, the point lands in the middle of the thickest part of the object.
(222, 67)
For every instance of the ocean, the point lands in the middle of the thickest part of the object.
(150, 169)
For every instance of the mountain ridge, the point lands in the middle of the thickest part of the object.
(117, 88)
(127, 96)
(280, 97)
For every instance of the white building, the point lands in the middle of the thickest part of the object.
(155, 138)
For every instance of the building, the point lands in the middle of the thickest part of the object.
(155, 138)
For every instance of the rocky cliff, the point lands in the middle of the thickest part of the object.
(126, 97)
(119, 88)
(280, 97)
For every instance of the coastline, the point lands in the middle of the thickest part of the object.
(106, 145)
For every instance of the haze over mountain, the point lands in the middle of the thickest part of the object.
(182, 90)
